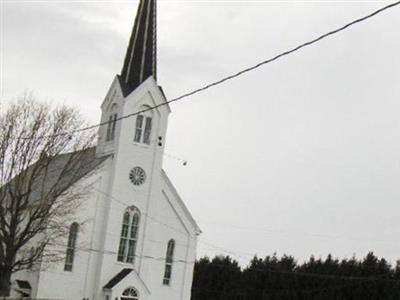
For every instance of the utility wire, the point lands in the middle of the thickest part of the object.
(218, 82)
(157, 144)
(262, 270)
(234, 253)
(350, 280)
(124, 205)
(380, 277)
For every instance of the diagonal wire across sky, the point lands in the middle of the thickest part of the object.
(239, 73)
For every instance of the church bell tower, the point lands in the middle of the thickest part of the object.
(140, 64)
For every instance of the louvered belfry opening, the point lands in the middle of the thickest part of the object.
(141, 57)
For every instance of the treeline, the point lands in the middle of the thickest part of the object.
(272, 277)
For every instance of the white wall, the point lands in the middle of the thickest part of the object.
(152, 203)
(163, 215)
(54, 282)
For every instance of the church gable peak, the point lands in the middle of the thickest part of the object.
(141, 57)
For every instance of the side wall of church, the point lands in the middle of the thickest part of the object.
(168, 222)
(54, 281)
(163, 218)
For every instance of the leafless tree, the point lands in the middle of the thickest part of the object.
(42, 156)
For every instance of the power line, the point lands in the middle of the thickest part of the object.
(380, 277)
(350, 280)
(110, 252)
(156, 146)
(236, 227)
(229, 77)
(154, 219)
(291, 233)
(256, 228)
(235, 253)
(125, 205)
(282, 272)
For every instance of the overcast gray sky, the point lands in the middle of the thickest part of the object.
(299, 157)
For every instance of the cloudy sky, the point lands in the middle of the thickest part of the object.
(299, 157)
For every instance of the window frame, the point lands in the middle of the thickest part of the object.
(126, 294)
(169, 260)
(129, 236)
(112, 123)
(139, 128)
(147, 130)
(32, 253)
(71, 246)
(143, 126)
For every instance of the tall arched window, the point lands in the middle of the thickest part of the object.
(129, 235)
(112, 122)
(31, 257)
(130, 294)
(73, 235)
(168, 262)
(143, 126)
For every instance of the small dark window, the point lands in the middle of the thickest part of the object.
(31, 258)
(147, 131)
(108, 136)
(124, 236)
(168, 262)
(143, 126)
(112, 123)
(139, 128)
(69, 258)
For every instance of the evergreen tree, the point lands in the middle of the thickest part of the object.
(283, 278)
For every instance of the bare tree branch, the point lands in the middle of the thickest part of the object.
(39, 166)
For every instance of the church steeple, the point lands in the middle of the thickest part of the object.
(141, 56)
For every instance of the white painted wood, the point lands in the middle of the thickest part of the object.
(163, 215)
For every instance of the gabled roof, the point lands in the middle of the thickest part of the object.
(64, 170)
(117, 278)
(180, 202)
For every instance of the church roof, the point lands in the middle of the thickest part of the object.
(64, 170)
(180, 202)
(141, 55)
(117, 278)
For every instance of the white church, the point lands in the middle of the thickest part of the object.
(138, 237)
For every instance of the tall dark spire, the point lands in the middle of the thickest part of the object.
(141, 56)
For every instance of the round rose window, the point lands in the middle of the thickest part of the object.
(137, 175)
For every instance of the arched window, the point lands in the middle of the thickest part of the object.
(129, 235)
(112, 122)
(31, 258)
(130, 294)
(73, 235)
(143, 126)
(168, 262)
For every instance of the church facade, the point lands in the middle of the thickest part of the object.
(133, 238)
